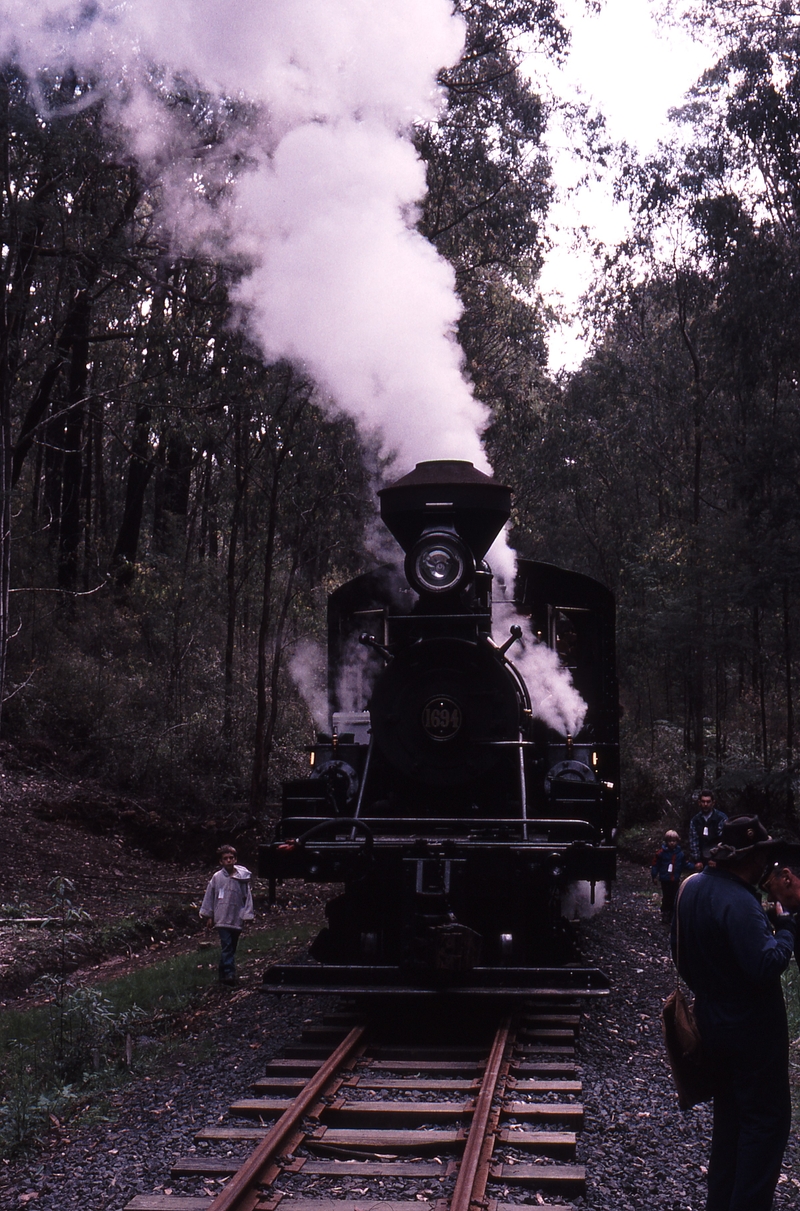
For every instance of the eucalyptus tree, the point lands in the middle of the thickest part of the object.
(154, 461)
(488, 178)
(676, 446)
(69, 236)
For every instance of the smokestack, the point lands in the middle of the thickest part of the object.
(448, 494)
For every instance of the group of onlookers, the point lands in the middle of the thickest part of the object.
(732, 950)
(705, 829)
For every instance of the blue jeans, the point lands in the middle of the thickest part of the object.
(228, 941)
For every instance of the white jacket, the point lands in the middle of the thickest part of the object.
(228, 899)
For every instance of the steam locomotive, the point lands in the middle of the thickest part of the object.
(463, 826)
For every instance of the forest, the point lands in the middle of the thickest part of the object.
(176, 506)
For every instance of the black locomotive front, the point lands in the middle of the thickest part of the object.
(462, 827)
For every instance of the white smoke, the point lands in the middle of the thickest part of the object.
(319, 214)
(308, 669)
(581, 901)
(322, 217)
(553, 696)
(502, 560)
(360, 666)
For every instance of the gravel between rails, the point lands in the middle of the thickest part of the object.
(641, 1152)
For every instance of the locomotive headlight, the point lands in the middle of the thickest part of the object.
(438, 563)
(438, 568)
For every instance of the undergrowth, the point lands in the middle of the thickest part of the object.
(78, 1043)
(791, 992)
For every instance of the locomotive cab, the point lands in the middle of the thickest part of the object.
(458, 819)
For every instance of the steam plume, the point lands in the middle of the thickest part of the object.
(307, 666)
(337, 279)
(553, 696)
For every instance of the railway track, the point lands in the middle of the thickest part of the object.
(401, 1115)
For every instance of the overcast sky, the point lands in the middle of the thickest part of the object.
(634, 71)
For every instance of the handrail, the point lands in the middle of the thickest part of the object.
(472, 823)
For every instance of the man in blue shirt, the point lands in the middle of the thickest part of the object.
(705, 828)
(732, 959)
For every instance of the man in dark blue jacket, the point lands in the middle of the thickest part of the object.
(732, 959)
(705, 829)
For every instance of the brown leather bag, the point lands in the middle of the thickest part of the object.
(685, 1052)
(690, 1070)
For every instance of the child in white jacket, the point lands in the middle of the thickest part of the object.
(227, 904)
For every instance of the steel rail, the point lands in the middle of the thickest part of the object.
(473, 1160)
(240, 1187)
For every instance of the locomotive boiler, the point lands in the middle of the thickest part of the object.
(462, 827)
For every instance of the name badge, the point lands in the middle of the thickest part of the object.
(669, 869)
(705, 831)
(221, 895)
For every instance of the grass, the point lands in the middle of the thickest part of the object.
(159, 988)
(791, 992)
(173, 984)
(53, 1055)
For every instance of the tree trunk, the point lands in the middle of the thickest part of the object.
(208, 544)
(93, 488)
(721, 705)
(172, 490)
(277, 663)
(697, 654)
(762, 735)
(141, 466)
(258, 784)
(72, 466)
(5, 535)
(241, 472)
(6, 375)
(787, 665)
(697, 694)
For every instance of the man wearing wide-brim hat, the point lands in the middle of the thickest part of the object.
(732, 959)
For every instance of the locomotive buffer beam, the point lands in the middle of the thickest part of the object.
(510, 983)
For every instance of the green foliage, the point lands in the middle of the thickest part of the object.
(791, 992)
(50, 1049)
(668, 464)
(488, 180)
(48, 1057)
(645, 801)
(177, 504)
(27, 1108)
(74, 1045)
(15, 911)
(639, 842)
